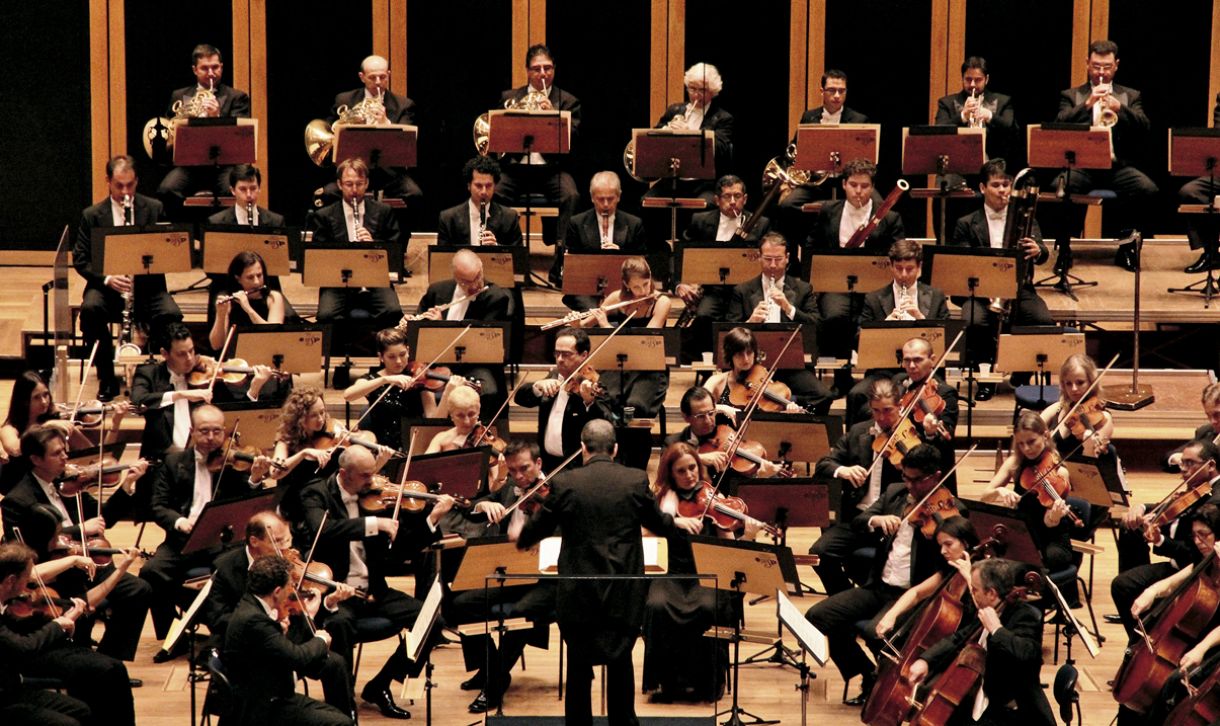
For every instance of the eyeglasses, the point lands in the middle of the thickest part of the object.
(1203, 536)
(542, 69)
(1101, 67)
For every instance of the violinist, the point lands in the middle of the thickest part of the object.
(642, 390)
(704, 419)
(266, 534)
(1013, 646)
(260, 659)
(935, 415)
(1092, 425)
(1172, 539)
(464, 408)
(1210, 400)
(677, 658)
(184, 485)
(957, 539)
(737, 385)
(862, 482)
(246, 298)
(904, 558)
(47, 451)
(359, 550)
(562, 413)
(1048, 515)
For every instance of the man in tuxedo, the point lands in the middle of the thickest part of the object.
(161, 389)
(245, 184)
(266, 535)
(985, 228)
(537, 173)
(1093, 102)
(356, 219)
(47, 451)
(976, 107)
(261, 660)
(906, 298)
(480, 220)
(219, 101)
(1202, 230)
(563, 415)
(600, 508)
(392, 181)
(606, 227)
(918, 360)
(103, 301)
(359, 550)
(183, 487)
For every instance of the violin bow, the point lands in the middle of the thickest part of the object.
(940, 483)
(534, 489)
(42, 586)
(403, 482)
(224, 461)
(593, 354)
(314, 545)
(80, 514)
(81, 389)
(296, 585)
(499, 411)
(1161, 505)
(223, 350)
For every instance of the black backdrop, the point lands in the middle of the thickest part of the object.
(459, 59)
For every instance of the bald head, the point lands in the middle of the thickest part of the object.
(375, 74)
(357, 465)
(468, 271)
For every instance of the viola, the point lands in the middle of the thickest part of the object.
(317, 575)
(749, 456)
(928, 515)
(725, 512)
(1042, 477)
(483, 435)
(930, 403)
(894, 445)
(745, 386)
(383, 495)
(435, 378)
(1087, 419)
(534, 503)
(234, 371)
(1178, 503)
(76, 479)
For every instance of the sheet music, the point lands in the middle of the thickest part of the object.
(418, 635)
(656, 555)
(178, 627)
(810, 638)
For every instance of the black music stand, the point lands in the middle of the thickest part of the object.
(462, 472)
(1067, 146)
(670, 154)
(943, 150)
(149, 250)
(501, 265)
(847, 271)
(1031, 349)
(511, 131)
(715, 263)
(1194, 152)
(592, 272)
(224, 522)
(795, 437)
(379, 146)
(823, 148)
(216, 142)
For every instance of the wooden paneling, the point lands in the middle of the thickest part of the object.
(939, 40)
(1081, 28)
(117, 48)
(668, 54)
(239, 63)
(1099, 20)
(381, 28)
(815, 63)
(1213, 86)
(675, 90)
(259, 108)
(798, 59)
(398, 46)
(99, 94)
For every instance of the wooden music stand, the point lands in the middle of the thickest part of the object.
(592, 272)
(295, 348)
(151, 250)
(848, 271)
(501, 265)
(486, 343)
(796, 502)
(260, 423)
(1096, 482)
(943, 150)
(462, 472)
(715, 263)
(378, 146)
(1194, 152)
(795, 436)
(633, 349)
(346, 266)
(1033, 351)
(278, 246)
(216, 142)
(771, 338)
(974, 272)
(523, 132)
(823, 149)
(674, 155)
(880, 344)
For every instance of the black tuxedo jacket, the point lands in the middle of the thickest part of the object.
(925, 552)
(849, 116)
(704, 225)
(854, 448)
(233, 103)
(560, 100)
(266, 217)
(879, 303)
(719, 122)
(1132, 127)
(748, 294)
(174, 492)
(150, 383)
(585, 235)
(825, 232)
(1014, 659)
(323, 497)
(261, 661)
(949, 110)
(146, 211)
(600, 508)
(329, 224)
(453, 227)
(492, 305)
(18, 510)
(575, 415)
(229, 574)
(398, 109)
(17, 647)
(972, 231)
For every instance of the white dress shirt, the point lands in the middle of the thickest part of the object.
(853, 219)
(52, 495)
(116, 212)
(351, 215)
(242, 217)
(358, 569)
(458, 310)
(829, 118)
(182, 410)
(552, 440)
(203, 489)
(995, 225)
(728, 227)
(605, 228)
(897, 570)
(694, 117)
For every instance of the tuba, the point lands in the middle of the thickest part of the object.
(320, 135)
(533, 100)
(161, 130)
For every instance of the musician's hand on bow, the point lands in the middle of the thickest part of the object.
(388, 526)
(716, 460)
(494, 511)
(688, 293)
(93, 527)
(444, 503)
(1143, 602)
(887, 523)
(690, 525)
(1030, 247)
(885, 625)
(930, 423)
(1007, 497)
(990, 619)
(119, 283)
(194, 395)
(363, 235)
(322, 456)
(87, 564)
(1055, 513)
(547, 387)
(768, 469)
(183, 525)
(917, 671)
(1192, 658)
(1152, 533)
(857, 475)
(1134, 516)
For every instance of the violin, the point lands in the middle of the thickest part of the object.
(88, 415)
(235, 371)
(930, 403)
(383, 495)
(435, 378)
(483, 435)
(534, 503)
(744, 387)
(725, 512)
(317, 575)
(1178, 503)
(333, 435)
(37, 600)
(76, 479)
(935, 509)
(99, 549)
(1042, 477)
(894, 445)
(1087, 419)
(586, 373)
(749, 456)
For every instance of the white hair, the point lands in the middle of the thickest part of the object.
(707, 73)
(606, 180)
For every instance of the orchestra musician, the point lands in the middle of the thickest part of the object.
(1101, 102)
(359, 548)
(701, 112)
(863, 482)
(957, 539)
(184, 485)
(1203, 232)
(903, 558)
(103, 302)
(248, 299)
(1210, 400)
(563, 411)
(480, 220)
(47, 451)
(985, 228)
(739, 349)
(266, 535)
(1077, 375)
(976, 107)
(605, 227)
(600, 508)
(644, 391)
(937, 429)
(245, 184)
(207, 97)
(906, 298)
(382, 106)
(260, 659)
(703, 418)
(1013, 645)
(537, 173)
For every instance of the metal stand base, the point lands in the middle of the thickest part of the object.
(1208, 287)
(1129, 398)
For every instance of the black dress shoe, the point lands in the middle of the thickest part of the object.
(381, 698)
(108, 391)
(475, 682)
(1112, 618)
(135, 682)
(1206, 261)
(483, 704)
(984, 392)
(164, 656)
(867, 681)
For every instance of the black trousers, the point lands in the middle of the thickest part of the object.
(337, 304)
(479, 652)
(833, 549)
(1128, 585)
(98, 681)
(836, 617)
(556, 185)
(620, 688)
(183, 181)
(300, 709)
(1136, 195)
(336, 680)
(807, 390)
(101, 306)
(400, 609)
(643, 390)
(164, 573)
(840, 319)
(30, 707)
(713, 307)
(982, 332)
(125, 608)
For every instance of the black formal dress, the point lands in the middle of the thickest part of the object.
(338, 304)
(25, 706)
(392, 181)
(600, 508)
(102, 305)
(260, 662)
(575, 415)
(183, 181)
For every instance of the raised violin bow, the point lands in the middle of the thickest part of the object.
(940, 483)
(499, 411)
(1084, 396)
(532, 490)
(81, 389)
(42, 586)
(422, 372)
(593, 354)
(223, 350)
(403, 482)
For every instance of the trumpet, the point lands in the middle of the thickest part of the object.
(161, 128)
(973, 120)
(1108, 116)
(407, 319)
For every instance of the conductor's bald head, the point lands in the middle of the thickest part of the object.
(597, 437)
